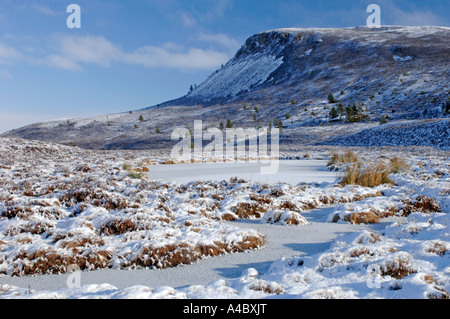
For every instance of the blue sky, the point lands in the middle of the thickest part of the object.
(136, 53)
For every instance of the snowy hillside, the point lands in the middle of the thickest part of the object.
(398, 75)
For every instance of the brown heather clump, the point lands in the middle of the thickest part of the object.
(266, 287)
(438, 248)
(249, 210)
(427, 205)
(229, 217)
(363, 218)
(173, 255)
(398, 268)
(440, 293)
(118, 227)
(48, 261)
(423, 204)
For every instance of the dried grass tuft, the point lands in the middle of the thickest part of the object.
(367, 176)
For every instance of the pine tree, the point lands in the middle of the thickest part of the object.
(333, 113)
(331, 98)
(349, 114)
(229, 124)
(341, 109)
(446, 107)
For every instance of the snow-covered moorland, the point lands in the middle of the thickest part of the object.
(61, 206)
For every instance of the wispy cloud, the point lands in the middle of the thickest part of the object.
(187, 19)
(9, 54)
(72, 52)
(396, 15)
(223, 40)
(45, 10)
(190, 58)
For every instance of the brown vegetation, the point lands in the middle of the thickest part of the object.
(398, 268)
(118, 227)
(438, 248)
(249, 210)
(363, 218)
(347, 157)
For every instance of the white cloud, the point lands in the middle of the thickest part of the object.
(232, 45)
(220, 7)
(89, 49)
(74, 51)
(45, 10)
(192, 58)
(414, 18)
(187, 19)
(8, 54)
(60, 62)
(408, 14)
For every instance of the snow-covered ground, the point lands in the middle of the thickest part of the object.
(61, 206)
(281, 242)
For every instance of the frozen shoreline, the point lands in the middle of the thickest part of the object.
(290, 171)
